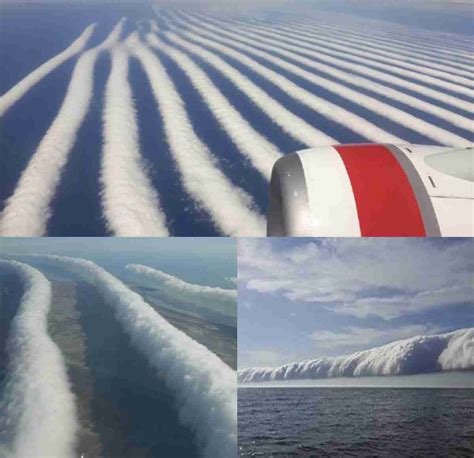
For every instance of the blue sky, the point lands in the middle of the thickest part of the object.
(304, 298)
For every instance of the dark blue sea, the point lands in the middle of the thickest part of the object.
(363, 422)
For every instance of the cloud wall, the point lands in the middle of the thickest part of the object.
(421, 354)
(180, 286)
(204, 386)
(37, 410)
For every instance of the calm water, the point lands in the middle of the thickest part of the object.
(356, 422)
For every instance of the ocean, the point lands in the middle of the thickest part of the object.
(315, 421)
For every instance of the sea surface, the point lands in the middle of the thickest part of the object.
(391, 422)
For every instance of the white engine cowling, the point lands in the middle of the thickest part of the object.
(374, 191)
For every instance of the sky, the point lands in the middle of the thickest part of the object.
(89, 245)
(208, 261)
(452, 16)
(304, 298)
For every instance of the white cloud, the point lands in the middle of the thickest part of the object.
(14, 94)
(245, 38)
(204, 386)
(420, 354)
(27, 210)
(216, 38)
(281, 116)
(37, 413)
(384, 277)
(260, 151)
(182, 287)
(200, 176)
(130, 203)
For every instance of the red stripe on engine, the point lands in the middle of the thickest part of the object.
(385, 201)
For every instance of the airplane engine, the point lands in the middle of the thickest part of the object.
(373, 190)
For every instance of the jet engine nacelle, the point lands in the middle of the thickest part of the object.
(373, 190)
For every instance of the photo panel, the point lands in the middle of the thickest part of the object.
(236, 228)
(355, 347)
(118, 347)
(236, 118)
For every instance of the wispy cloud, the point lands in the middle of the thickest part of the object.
(388, 278)
(8, 99)
(27, 211)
